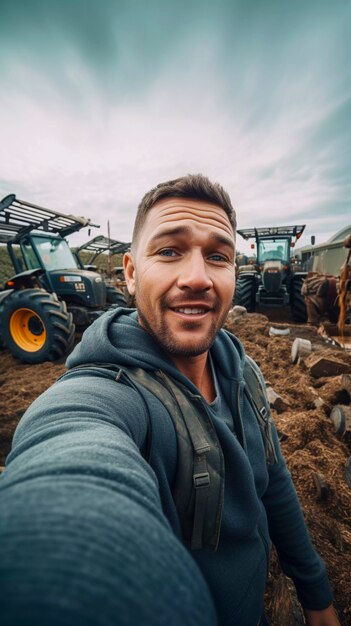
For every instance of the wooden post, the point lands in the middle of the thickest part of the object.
(300, 347)
(346, 383)
(341, 418)
(109, 251)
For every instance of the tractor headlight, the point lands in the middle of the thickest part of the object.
(70, 279)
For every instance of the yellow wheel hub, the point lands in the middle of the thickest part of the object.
(27, 330)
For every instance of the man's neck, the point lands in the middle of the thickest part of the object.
(198, 370)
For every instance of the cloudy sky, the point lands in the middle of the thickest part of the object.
(102, 99)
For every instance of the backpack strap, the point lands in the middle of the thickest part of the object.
(199, 484)
(258, 400)
(198, 490)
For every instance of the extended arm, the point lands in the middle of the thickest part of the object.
(83, 536)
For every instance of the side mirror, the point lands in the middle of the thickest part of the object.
(313, 240)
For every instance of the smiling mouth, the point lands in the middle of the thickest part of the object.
(191, 310)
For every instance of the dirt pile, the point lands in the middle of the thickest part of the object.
(308, 440)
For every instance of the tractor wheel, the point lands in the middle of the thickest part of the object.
(298, 306)
(113, 296)
(245, 291)
(35, 326)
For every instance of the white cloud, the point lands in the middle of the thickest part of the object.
(260, 123)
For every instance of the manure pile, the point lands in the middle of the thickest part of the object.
(309, 444)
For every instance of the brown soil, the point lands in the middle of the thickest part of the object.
(309, 442)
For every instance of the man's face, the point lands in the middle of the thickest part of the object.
(182, 274)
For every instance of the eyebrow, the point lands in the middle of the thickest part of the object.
(185, 230)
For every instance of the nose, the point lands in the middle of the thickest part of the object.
(194, 273)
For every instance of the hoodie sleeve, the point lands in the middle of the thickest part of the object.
(83, 537)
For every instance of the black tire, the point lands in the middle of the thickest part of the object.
(35, 326)
(298, 306)
(245, 291)
(113, 296)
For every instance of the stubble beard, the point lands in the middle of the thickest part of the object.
(166, 338)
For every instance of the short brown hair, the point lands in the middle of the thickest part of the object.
(194, 186)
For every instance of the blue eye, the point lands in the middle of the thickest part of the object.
(217, 257)
(167, 252)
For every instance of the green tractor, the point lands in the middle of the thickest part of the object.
(272, 280)
(51, 292)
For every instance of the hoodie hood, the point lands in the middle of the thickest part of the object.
(117, 337)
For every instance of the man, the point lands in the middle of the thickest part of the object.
(101, 524)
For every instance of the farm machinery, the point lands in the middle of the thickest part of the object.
(273, 280)
(51, 292)
(115, 282)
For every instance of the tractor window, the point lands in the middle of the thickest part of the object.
(55, 253)
(29, 255)
(273, 250)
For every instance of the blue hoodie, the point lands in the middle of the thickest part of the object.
(91, 528)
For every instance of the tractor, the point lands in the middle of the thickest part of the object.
(115, 283)
(51, 292)
(273, 280)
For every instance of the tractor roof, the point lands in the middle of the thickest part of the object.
(17, 218)
(103, 244)
(268, 232)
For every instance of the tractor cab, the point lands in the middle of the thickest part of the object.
(46, 251)
(276, 249)
(82, 289)
(273, 243)
(271, 281)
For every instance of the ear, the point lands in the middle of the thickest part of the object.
(129, 272)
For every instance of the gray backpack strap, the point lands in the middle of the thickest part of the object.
(198, 491)
(258, 399)
(199, 485)
(207, 473)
